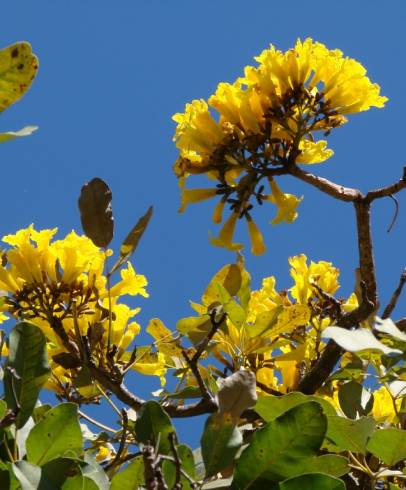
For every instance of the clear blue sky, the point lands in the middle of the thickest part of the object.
(111, 76)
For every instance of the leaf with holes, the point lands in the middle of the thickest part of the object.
(58, 435)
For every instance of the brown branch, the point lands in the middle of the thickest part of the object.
(365, 248)
(389, 190)
(318, 374)
(152, 472)
(395, 296)
(117, 459)
(338, 191)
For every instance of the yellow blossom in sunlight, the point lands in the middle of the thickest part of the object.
(286, 204)
(104, 453)
(225, 238)
(267, 122)
(197, 130)
(131, 283)
(383, 409)
(257, 241)
(312, 152)
(321, 273)
(190, 196)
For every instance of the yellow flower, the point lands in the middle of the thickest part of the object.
(226, 234)
(189, 196)
(312, 152)
(321, 273)
(383, 409)
(257, 241)
(286, 204)
(131, 283)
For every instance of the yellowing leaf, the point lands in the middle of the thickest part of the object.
(229, 277)
(290, 318)
(18, 67)
(264, 322)
(163, 338)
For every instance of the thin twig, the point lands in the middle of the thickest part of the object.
(177, 461)
(123, 439)
(395, 296)
(96, 422)
(395, 216)
(387, 191)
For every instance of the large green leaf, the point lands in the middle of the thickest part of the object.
(152, 425)
(354, 399)
(220, 441)
(389, 445)
(275, 450)
(185, 455)
(313, 481)
(270, 407)
(131, 478)
(349, 435)
(27, 369)
(58, 435)
(79, 482)
(330, 464)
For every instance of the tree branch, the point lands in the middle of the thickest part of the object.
(395, 296)
(387, 191)
(318, 374)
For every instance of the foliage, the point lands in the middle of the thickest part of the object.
(300, 388)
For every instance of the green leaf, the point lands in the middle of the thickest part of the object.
(79, 482)
(96, 214)
(330, 464)
(313, 481)
(12, 135)
(220, 441)
(91, 469)
(132, 478)
(234, 311)
(389, 445)
(349, 435)
(195, 327)
(29, 475)
(28, 359)
(18, 69)
(55, 472)
(354, 399)
(187, 464)
(39, 412)
(3, 408)
(229, 277)
(357, 340)
(187, 392)
(57, 435)
(152, 425)
(270, 407)
(275, 450)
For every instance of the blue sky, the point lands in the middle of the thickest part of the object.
(111, 76)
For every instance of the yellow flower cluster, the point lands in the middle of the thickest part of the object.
(61, 287)
(267, 124)
(275, 334)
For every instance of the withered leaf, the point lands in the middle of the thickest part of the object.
(96, 213)
(66, 360)
(131, 241)
(237, 393)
